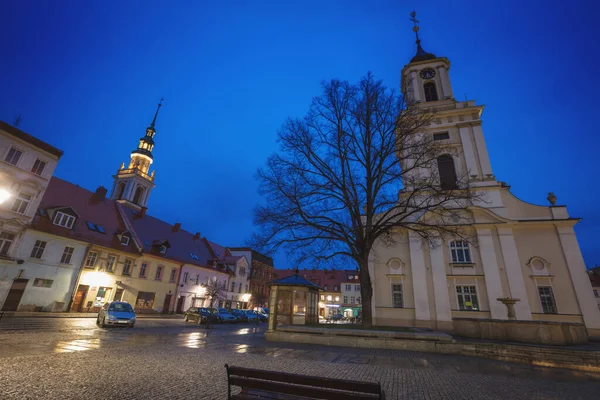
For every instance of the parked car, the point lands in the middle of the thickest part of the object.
(200, 315)
(335, 317)
(239, 314)
(225, 316)
(118, 313)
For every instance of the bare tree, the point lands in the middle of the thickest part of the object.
(355, 169)
(214, 290)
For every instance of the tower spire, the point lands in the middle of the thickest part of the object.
(156, 113)
(421, 55)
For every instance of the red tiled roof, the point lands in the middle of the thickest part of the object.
(318, 276)
(149, 229)
(63, 194)
(219, 250)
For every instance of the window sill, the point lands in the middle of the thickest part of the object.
(462, 265)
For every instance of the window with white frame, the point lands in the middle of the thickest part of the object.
(159, 274)
(397, 298)
(21, 202)
(38, 249)
(352, 299)
(357, 288)
(124, 240)
(110, 263)
(38, 167)
(143, 270)
(6, 240)
(242, 271)
(547, 299)
(467, 298)
(348, 288)
(13, 156)
(62, 219)
(45, 283)
(460, 251)
(90, 261)
(173, 275)
(67, 254)
(358, 300)
(127, 266)
(185, 277)
(345, 299)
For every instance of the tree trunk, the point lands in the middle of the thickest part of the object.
(366, 293)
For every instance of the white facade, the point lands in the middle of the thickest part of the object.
(238, 290)
(190, 287)
(50, 272)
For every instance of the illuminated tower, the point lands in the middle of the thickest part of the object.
(133, 184)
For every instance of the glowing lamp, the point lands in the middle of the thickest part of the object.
(4, 195)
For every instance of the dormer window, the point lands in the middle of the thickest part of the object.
(430, 91)
(124, 240)
(64, 220)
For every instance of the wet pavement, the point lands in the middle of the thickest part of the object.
(162, 347)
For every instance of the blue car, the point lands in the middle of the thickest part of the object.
(116, 313)
(225, 316)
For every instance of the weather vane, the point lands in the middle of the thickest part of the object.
(413, 18)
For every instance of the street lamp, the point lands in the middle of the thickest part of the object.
(4, 195)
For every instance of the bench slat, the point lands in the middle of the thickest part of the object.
(348, 385)
(309, 392)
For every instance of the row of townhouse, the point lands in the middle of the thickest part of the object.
(65, 248)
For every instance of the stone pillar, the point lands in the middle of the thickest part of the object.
(440, 283)
(419, 278)
(514, 272)
(492, 273)
(581, 281)
(416, 87)
(468, 150)
(484, 158)
(445, 80)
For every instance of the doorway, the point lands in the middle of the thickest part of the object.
(118, 295)
(13, 299)
(80, 295)
(167, 304)
(180, 305)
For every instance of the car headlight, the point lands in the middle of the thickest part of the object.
(111, 318)
(132, 318)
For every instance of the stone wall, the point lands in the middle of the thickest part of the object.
(536, 332)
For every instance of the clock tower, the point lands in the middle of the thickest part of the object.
(133, 184)
(456, 124)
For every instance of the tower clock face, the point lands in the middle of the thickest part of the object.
(427, 73)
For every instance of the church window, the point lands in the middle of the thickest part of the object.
(430, 91)
(467, 298)
(447, 172)
(397, 298)
(65, 220)
(441, 136)
(460, 251)
(547, 299)
(138, 195)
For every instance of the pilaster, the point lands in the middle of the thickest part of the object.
(492, 273)
(440, 283)
(419, 278)
(514, 272)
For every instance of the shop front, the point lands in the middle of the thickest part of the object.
(352, 312)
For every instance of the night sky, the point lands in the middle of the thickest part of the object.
(87, 76)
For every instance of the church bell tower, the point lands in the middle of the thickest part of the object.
(133, 184)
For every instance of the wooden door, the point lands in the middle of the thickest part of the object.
(180, 305)
(118, 295)
(167, 304)
(79, 298)
(14, 295)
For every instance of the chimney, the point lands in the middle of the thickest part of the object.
(176, 227)
(101, 193)
(143, 212)
(196, 236)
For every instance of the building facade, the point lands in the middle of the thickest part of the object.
(351, 302)
(518, 250)
(26, 166)
(594, 275)
(262, 271)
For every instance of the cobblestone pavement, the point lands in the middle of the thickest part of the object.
(168, 359)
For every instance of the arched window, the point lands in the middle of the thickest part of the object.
(447, 172)
(430, 91)
(120, 190)
(138, 195)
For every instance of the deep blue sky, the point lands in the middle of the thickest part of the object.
(87, 76)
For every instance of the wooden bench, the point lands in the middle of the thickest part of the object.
(261, 384)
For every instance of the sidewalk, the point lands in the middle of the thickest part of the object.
(22, 314)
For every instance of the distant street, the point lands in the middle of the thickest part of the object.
(71, 358)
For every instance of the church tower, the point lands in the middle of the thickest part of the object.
(456, 124)
(133, 184)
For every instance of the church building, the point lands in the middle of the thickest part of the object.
(525, 252)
